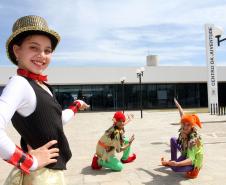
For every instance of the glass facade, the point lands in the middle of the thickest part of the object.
(109, 97)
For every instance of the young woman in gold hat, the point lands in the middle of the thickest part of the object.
(189, 143)
(29, 102)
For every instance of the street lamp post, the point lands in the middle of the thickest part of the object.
(218, 32)
(140, 73)
(123, 79)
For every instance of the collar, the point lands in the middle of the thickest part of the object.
(33, 76)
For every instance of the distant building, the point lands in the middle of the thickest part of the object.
(101, 86)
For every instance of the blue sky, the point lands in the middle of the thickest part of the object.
(122, 32)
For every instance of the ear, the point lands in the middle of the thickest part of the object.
(16, 49)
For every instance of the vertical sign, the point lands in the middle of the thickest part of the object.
(212, 70)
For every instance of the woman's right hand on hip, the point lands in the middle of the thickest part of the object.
(44, 154)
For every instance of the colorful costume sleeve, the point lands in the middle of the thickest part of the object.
(109, 145)
(195, 153)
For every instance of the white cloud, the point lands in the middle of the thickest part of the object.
(129, 13)
(125, 31)
(122, 56)
(97, 55)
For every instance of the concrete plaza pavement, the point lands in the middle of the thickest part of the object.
(152, 134)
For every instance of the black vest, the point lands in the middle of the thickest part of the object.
(43, 125)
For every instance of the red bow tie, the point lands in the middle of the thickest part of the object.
(31, 75)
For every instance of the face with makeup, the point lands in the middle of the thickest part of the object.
(120, 124)
(34, 53)
(187, 128)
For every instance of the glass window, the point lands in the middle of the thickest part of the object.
(109, 96)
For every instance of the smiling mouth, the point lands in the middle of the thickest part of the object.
(38, 63)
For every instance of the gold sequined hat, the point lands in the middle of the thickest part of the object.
(28, 25)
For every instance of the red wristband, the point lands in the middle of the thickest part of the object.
(21, 160)
(75, 106)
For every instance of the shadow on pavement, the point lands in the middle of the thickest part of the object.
(89, 171)
(167, 151)
(205, 122)
(159, 143)
(171, 178)
(213, 143)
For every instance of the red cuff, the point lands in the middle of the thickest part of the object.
(21, 160)
(75, 106)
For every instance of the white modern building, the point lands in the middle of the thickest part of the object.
(102, 88)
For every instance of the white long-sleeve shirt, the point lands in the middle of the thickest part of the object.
(18, 95)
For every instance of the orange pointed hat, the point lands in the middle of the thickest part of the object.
(192, 119)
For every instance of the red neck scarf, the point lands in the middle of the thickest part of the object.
(33, 76)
